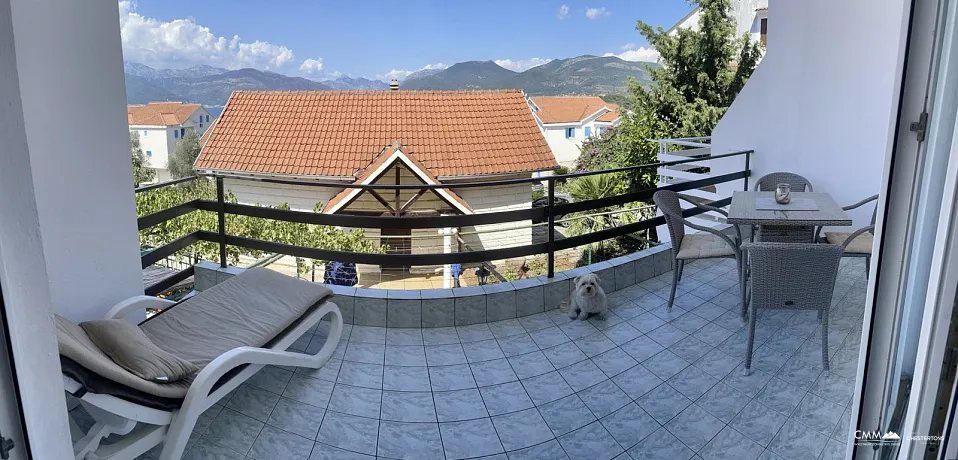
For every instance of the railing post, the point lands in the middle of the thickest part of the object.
(552, 220)
(221, 215)
(748, 172)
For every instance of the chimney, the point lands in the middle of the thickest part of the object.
(394, 85)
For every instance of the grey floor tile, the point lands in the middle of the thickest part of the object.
(629, 425)
(841, 432)
(472, 438)
(546, 388)
(695, 426)
(692, 382)
(665, 364)
(369, 353)
(518, 430)
(798, 442)
(834, 450)
(360, 374)
(296, 417)
(594, 344)
(660, 445)
(566, 414)
(614, 362)
(406, 378)
(751, 384)
(834, 388)
(767, 359)
(408, 406)
(622, 333)
(689, 322)
(311, 391)
(517, 344)
(723, 401)
(459, 405)
(758, 423)
(363, 402)
(549, 450)
(506, 328)
(549, 337)
(663, 403)
(505, 398)
(576, 329)
(719, 363)
(328, 371)
(731, 445)
(690, 348)
(349, 432)
(273, 443)
(326, 452)
(405, 355)
(530, 364)
(368, 334)
(536, 322)
(474, 333)
(592, 441)
(484, 350)
(564, 355)
(800, 373)
(447, 378)
(204, 449)
(646, 322)
(637, 381)
(582, 375)
(445, 355)
(271, 378)
(410, 441)
(404, 336)
(234, 430)
(493, 372)
(604, 398)
(818, 414)
(780, 396)
(440, 336)
(642, 348)
(252, 401)
(667, 335)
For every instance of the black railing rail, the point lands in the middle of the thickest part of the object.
(548, 213)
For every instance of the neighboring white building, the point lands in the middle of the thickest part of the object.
(161, 125)
(751, 17)
(566, 121)
(385, 137)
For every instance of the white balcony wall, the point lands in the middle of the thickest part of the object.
(824, 100)
(70, 67)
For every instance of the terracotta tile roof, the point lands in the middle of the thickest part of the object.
(338, 133)
(366, 177)
(209, 131)
(761, 8)
(571, 109)
(160, 113)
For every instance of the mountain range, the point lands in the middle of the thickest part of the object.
(211, 86)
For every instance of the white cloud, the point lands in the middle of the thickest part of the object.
(311, 66)
(183, 42)
(402, 74)
(563, 12)
(522, 64)
(636, 53)
(596, 13)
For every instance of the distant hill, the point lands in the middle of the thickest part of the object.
(464, 75)
(422, 73)
(355, 83)
(578, 75)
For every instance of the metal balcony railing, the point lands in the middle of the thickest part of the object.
(547, 213)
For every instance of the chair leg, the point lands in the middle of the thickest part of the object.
(675, 281)
(751, 341)
(681, 268)
(742, 280)
(824, 316)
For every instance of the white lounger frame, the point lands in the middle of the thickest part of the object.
(144, 427)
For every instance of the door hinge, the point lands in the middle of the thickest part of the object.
(6, 445)
(920, 126)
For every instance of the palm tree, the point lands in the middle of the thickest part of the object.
(593, 188)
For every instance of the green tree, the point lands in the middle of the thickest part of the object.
(141, 173)
(701, 72)
(180, 163)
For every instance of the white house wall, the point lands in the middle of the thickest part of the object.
(158, 142)
(493, 199)
(566, 151)
(822, 102)
(299, 197)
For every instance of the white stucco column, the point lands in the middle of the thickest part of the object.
(448, 247)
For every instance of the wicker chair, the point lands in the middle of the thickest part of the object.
(859, 242)
(791, 276)
(710, 244)
(784, 233)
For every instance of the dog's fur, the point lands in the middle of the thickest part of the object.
(587, 298)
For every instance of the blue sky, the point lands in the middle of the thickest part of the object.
(383, 39)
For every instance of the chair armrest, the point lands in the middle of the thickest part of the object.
(704, 206)
(137, 302)
(856, 234)
(860, 203)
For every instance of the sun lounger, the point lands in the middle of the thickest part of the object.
(229, 332)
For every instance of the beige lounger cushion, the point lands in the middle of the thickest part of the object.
(862, 244)
(129, 347)
(704, 245)
(246, 310)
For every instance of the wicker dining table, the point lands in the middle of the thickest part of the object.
(805, 209)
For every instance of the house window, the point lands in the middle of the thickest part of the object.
(145, 132)
(207, 118)
(588, 131)
(176, 134)
(182, 131)
(600, 129)
(570, 133)
(201, 125)
(149, 154)
(764, 30)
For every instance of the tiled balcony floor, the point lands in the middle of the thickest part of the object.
(641, 385)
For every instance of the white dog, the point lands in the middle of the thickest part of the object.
(588, 298)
